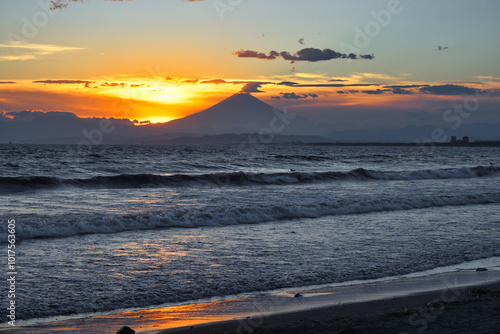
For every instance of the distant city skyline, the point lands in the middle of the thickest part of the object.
(361, 64)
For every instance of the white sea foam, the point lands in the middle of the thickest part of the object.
(74, 224)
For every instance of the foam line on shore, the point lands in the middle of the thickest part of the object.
(248, 311)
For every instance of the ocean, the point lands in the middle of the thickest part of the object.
(127, 227)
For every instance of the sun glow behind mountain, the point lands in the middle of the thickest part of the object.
(192, 59)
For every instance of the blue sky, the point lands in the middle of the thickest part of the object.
(106, 41)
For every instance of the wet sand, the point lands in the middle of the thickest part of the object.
(461, 301)
(474, 310)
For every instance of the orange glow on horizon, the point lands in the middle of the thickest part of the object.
(160, 100)
(154, 120)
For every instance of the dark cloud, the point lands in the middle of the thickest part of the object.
(335, 85)
(59, 82)
(135, 86)
(252, 87)
(406, 86)
(367, 56)
(7, 82)
(57, 122)
(402, 91)
(169, 78)
(287, 83)
(293, 96)
(347, 91)
(254, 54)
(214, 81)
(374, 92)
(283, 83)
(296, 84)
(248, 86)
(136, 122)
(469, 82)
(399, 91)
(313, 55)
(113, 84)
(30, 115)
(449, 90)
(245, 82)
(307, 54)
(66, 82)
(24, 115)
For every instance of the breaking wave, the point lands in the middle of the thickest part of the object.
(73, 224)
(124, 181)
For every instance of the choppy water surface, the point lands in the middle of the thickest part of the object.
(138, 226)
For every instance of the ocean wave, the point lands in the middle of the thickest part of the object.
(124, 181)
(39, 226)
(303, 157)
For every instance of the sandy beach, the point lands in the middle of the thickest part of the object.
(464, 309)
(462, 301)
(475, 310)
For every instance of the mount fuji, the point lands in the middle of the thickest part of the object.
(244, 113)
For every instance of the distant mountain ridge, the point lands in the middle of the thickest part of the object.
(241, 117)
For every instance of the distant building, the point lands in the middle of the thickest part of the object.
(465, 139)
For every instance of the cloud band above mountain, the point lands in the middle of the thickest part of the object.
(307, 54)
(293, 96)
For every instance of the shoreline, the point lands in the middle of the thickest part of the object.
(286, 310)
(465, 310)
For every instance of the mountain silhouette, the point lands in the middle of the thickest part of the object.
(228, 121)
(244, 113)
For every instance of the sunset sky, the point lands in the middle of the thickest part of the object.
(376, 61)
